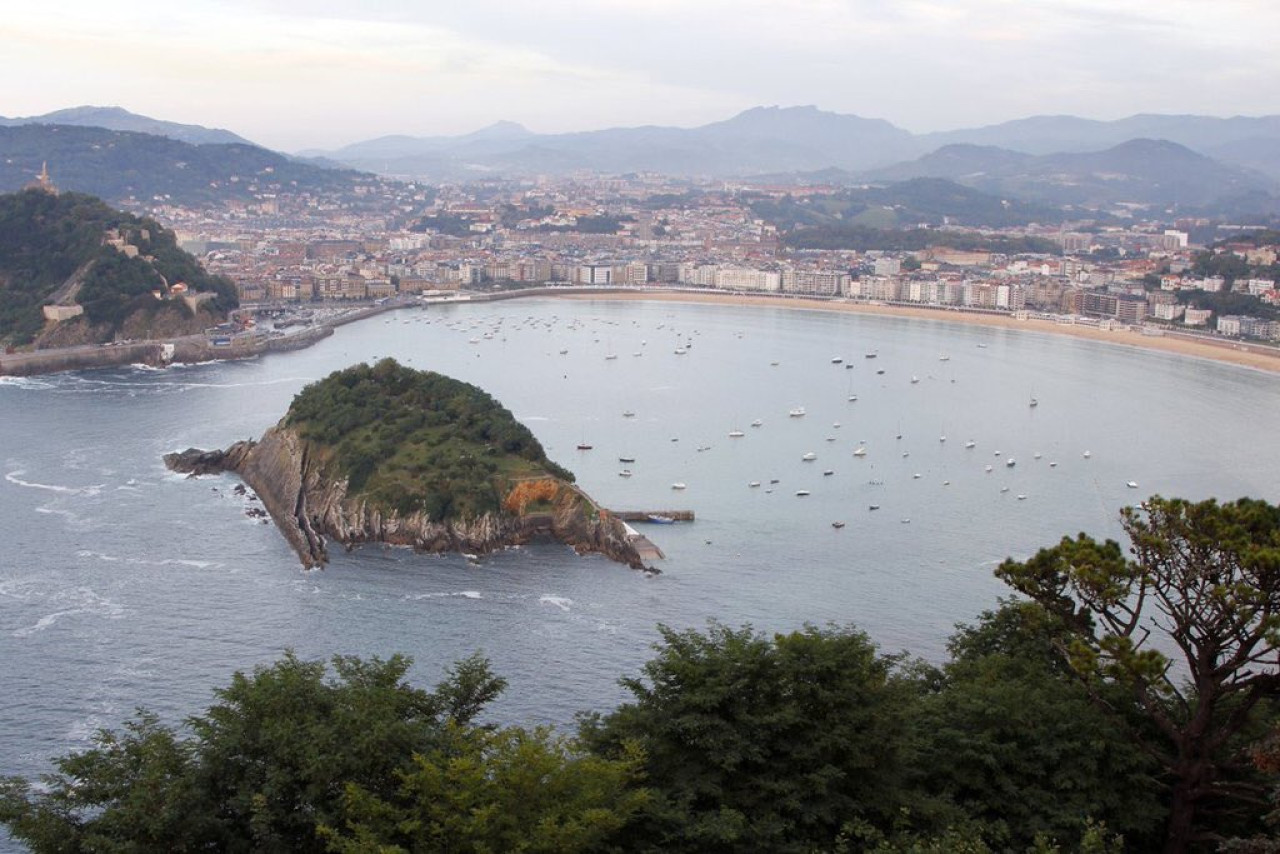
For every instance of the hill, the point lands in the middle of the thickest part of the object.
(927, 201)
(116, 118)
(75, 251)
(1221, 138)
(127, 167)
(388, 454)
(1140, 171)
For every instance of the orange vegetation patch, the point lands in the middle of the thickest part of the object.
(526, 492)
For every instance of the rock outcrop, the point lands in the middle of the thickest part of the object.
(310, 508)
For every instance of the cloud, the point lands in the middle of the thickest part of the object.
(312, 72)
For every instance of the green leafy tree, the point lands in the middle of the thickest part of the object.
(1190, 628)
(486, 790)
(1007, 739)
(266, 766)
(758, 743)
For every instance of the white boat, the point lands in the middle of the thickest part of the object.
(944, 358)
(969, 444)
(987, 469)
(1087, 455)
(837, 524)
(680, 351)
(611, 356)
(1011, 462)
(1022, 497)
(798, 412)
(1033, 403)
(914, 379)
(853, 398)
(837, 360)
(801, 493)
(1053, 465)
(809, 457)
(1132, 484)
(753, 484)
(677, 485)
(736, 434)
(625, 473)
(828, 473)
(628, 414)
(860, 451)
(756, 423)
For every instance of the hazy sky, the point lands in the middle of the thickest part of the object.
(294, 74)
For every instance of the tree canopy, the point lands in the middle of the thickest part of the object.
(1189, 627)
(48, 240)
(418, 441)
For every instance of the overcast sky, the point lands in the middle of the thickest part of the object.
(295, 74)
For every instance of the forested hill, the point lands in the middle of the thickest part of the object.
(417, 441)
(123, 165)
(72, 249)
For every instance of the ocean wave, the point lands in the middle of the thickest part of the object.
(461, 594)
(564, 603)
(83, 601)
(15, 477)
(26, 382)
(140, 561)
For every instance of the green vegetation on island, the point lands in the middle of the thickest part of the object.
(1127, 703)
(417, 441)
(71, 249)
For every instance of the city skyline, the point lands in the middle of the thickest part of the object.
(293, 75)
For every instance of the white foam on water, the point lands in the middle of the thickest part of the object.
(564, 603)
(26, 382)
(141, 561)
(84, 601)
(15, 477)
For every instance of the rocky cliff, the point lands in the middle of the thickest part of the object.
(311, 508)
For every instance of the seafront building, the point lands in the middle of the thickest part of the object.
(647, 231)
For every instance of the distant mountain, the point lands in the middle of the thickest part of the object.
(1141, 171)
(121, 166)
(117, 118)
(1216, 137)
(764, 139)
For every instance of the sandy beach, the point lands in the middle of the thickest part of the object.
(1226, 350)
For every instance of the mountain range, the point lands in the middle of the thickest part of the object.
(792, 139)
(117, 118)
(1227, 166)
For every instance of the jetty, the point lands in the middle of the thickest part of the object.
(646, 515)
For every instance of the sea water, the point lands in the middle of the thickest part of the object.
(124, 585)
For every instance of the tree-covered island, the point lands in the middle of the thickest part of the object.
(385, 453)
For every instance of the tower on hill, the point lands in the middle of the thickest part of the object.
(43, 182)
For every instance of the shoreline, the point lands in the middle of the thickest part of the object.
(1225, 351)
(1240, 354)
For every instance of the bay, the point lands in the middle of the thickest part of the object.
(123, 585)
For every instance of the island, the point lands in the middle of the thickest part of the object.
(389, 454)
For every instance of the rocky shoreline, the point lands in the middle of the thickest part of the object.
(310, 510)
